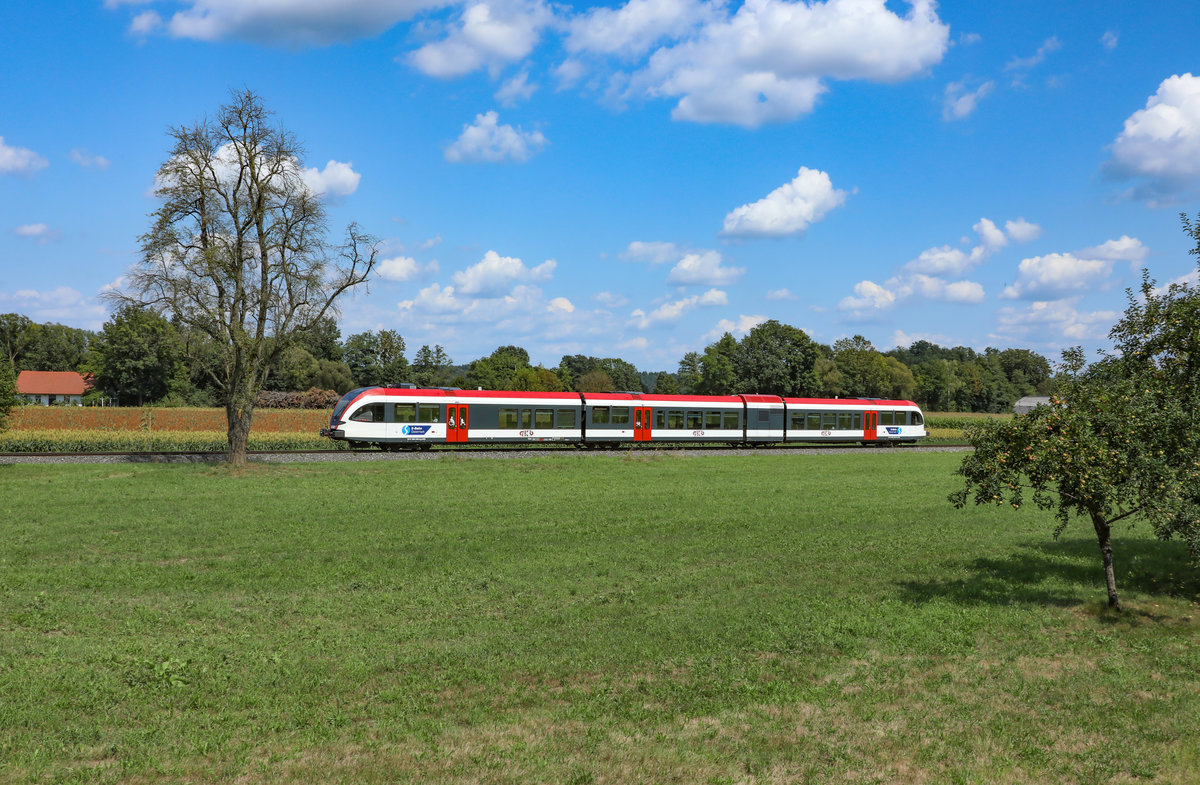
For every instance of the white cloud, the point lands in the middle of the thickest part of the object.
(958, 102)
(671, 312)
(39, 232)
(943, 260)
(1022, 231)
(1051, 44)
(1057, 320)
(780, 294)
(992, 238)
(737, 328)
(87, 160)
(63, 304)
(494, 274)
(789, 209)
(301, 23)
(560, 305)
(610, 300)
(487, 140)
(868, 295)
(31, 230)
(926, 276)
(433, 299)
(654, 252)
(703, 269)
(1161, 143)
(1109, 40)
(19, 160)
(1055, 276)
(767, 61)
(1123, 249)
(515, 90)
(485, 35)
(404, 268)
(337, 179)
(635, 27)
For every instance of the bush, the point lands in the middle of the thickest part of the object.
(313, 399)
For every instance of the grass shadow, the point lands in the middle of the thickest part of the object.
(1063, 573)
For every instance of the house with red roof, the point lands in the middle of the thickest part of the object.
(47, 387)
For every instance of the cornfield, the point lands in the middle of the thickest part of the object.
(150, 419)
(80, 440)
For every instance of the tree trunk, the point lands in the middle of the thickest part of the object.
(238, 412)
(1103, 532)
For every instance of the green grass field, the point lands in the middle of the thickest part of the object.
(579, 619)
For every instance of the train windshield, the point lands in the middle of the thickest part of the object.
(340, 409)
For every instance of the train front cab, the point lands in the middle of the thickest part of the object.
(846, 420)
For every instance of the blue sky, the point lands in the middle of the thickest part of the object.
(634, 179)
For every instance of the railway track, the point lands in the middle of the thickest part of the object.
(499, 451)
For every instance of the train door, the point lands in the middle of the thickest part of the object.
(870, 423)
(457, 420)
(641, 423)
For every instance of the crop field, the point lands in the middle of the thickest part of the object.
(579, 619)
(149, 418)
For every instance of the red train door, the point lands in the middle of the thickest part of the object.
(641, 424)
(870, 421)
(456, 423)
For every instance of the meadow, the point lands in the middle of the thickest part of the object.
(639, 617)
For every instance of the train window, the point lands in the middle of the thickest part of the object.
(764, 416)
(600, 414)
(527, 418)
(731, 421)
(429, 412)
(660, 418)
(543, 418)
(887, 418)
(915, 418)
(372, 412)
(845, 421)
(566, 418)
(508, 418)
(797, 421)
(620, 415)
(406, 412)
(828, 421)
(857, 424)
(675, 420)
(812, 421)
(695, 420)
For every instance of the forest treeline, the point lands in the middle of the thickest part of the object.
(138, 357)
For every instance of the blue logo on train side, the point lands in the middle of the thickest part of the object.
(415, 430)
(892, 431)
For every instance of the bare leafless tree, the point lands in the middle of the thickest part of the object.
(237, 251)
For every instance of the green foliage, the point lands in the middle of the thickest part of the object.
(8, 393)
(376, 359)
(136, 356)
(666, 384)
(777, 359)
(595, 381)
(16, 336)
(431, 367)
(1118, 439)
(56, 347)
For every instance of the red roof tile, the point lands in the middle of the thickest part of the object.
(51, 383)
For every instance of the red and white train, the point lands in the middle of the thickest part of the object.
(408, 418)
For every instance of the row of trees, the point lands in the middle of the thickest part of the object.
(139, 357)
